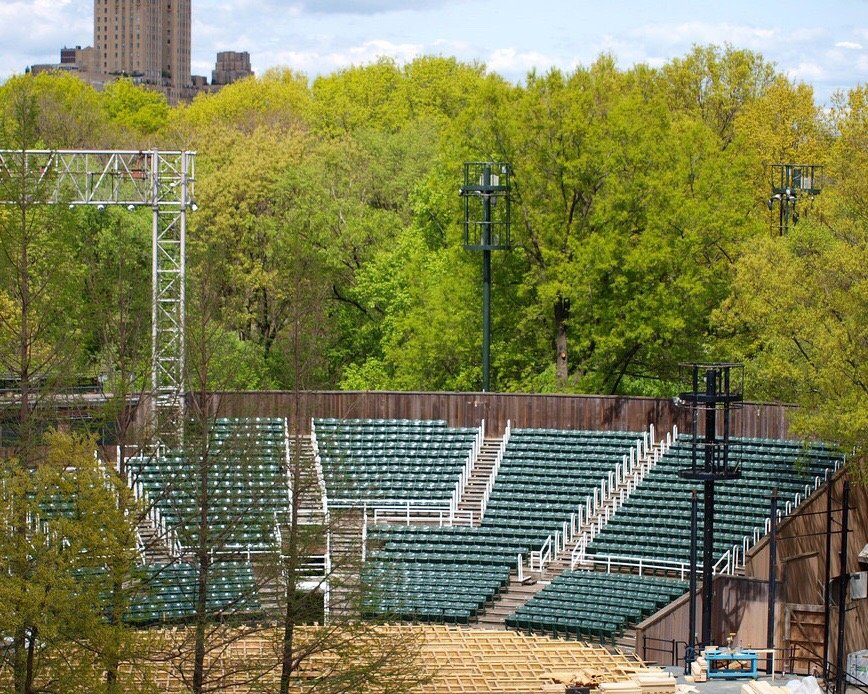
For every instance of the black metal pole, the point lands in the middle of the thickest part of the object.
(690, 653)
(708, 511)
(840, 680)
(773, 560)
(486, 279)
(782, 226)
(827, 597)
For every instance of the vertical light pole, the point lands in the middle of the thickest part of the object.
(789, 182)
(715, 389)
(486, 228)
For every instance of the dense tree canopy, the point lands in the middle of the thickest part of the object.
(640, 232)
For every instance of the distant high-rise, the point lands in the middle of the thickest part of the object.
(145, 39)
(231, 66)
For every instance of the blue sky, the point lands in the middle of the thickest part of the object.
(822, 43)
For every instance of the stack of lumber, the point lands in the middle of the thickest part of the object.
(699, 670)
(760, 687)
(650, 682)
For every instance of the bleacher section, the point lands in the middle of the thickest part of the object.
(247, 484)
(422, 592)
(654, 522)
(169, 592)
(586, 604)
(391, 461)
(551, 471)
(544, 477)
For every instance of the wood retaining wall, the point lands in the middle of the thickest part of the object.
(594, 412)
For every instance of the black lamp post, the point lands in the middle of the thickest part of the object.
(486, 228)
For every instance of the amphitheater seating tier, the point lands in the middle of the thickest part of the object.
(522, 513)
(170, 592)
(391, 461)
(586, 604)
(654, 522)
(551, 471)
(246, 484)
(424, 593)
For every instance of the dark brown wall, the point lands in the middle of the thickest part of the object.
(467, 409)
(740, 607)
(802, 552)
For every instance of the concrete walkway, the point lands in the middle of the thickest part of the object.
(733, 686)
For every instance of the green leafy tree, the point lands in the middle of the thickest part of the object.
(796, 313)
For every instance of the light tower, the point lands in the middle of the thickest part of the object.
(486, 228)
(162, 181)
(715, 390)
(789, 182)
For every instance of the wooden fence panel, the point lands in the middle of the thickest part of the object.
(594, 412)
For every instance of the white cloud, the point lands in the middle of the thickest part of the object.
(510, 60)
(33, 31)
(704, 32)
(806, 72)
(849, 44)
(368, 52)
(450, 46)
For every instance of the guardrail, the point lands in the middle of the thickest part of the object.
(467, 470)
(405, 514)
(610, 561)
(739, 551)
(162, 530)
(492, 478)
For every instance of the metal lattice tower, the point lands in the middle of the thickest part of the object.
(163, 181)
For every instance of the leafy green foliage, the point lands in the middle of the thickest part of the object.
(639, 220)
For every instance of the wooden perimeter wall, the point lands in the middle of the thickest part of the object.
(801, 560)
(594, 412)
(741, 602)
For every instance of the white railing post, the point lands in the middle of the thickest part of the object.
(365, 534)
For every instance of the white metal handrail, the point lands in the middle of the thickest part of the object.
(467, 470)
(614, 491)
(498, 461)
(444, 517)
(164, 532)
(741, 549)
(615, 561)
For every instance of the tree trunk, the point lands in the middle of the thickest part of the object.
(31, 649)
(562, 315)
(291, 558)
(204, 567)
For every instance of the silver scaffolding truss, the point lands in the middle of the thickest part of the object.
(161, 180)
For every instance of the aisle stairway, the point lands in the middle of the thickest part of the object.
(472, 495)
(597, 522)
(155, 550)
(346, 559)
(519, 593)
(496, 611)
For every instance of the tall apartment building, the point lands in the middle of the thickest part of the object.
(148, 40)
(231, 66)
